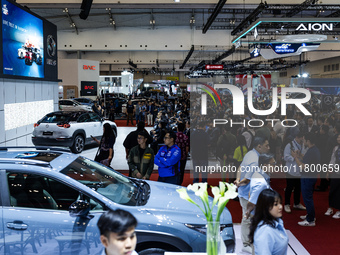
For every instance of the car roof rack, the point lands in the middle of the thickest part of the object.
(62, 149)
(25, 161)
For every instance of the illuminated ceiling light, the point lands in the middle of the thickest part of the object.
(177, 1)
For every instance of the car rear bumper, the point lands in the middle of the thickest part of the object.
(66, 142)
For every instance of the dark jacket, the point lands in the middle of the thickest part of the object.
(144, 166)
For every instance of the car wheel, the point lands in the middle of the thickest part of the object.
(28, 62)
(152, 251)
(78, 145)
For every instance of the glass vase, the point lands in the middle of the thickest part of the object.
(213, 238)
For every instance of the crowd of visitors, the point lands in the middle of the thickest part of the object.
(305, 142)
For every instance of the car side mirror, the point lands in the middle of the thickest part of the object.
(79, 208)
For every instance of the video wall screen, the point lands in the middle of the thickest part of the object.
(24, 44)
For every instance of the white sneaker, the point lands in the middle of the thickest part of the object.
(304, 217)
(329, 212)
(247, 249)
(287, 209)
(336, 215)
(305, 223)
(299, 207)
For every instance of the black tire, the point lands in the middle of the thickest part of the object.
(152, 251)
(78, 144)
(39, 61)
(28, 62)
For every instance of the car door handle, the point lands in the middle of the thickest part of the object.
(17, 225)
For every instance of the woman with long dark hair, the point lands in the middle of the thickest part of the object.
(267, 232)
(105, 151)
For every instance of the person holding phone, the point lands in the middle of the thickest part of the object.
(105, 151)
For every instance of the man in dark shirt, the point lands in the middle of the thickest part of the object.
(308, 178)
(131, 139)
(130, 112)
(141, 158)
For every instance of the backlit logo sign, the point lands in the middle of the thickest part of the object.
(51, 46)
(88, 87)
(213, 67)
(87, 67)
(315, 27)
(284, 48)
(255, 53)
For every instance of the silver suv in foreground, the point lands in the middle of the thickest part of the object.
(51, 200)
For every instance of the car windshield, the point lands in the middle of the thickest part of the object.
(105, 181)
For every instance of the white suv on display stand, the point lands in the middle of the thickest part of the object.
(69, 129)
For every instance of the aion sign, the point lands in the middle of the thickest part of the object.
(315, 27)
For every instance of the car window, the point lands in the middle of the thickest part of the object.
(59, 118)
(54, 118)
(84, 118)
(67, 103)
(37, 191)
(94, 117)
(108, 183)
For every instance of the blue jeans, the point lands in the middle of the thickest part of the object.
(201, 164)
(307, 187)
(170, 179)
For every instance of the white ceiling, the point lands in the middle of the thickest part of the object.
(127, 14)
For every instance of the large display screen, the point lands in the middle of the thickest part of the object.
(22, 41)
(28, 48)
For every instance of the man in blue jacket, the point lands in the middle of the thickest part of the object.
(167, 160)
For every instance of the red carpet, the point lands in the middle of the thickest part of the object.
(122, 123)
(319, 240)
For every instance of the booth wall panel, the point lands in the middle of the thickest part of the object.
(21, 131)
(11, 134)
(1, 95)
(14, 91)
(37, 91)
(20, 95)
(9, 89)
(29, 92)
(11, 143)
(2, 127)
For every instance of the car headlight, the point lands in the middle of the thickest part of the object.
(202, 228)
